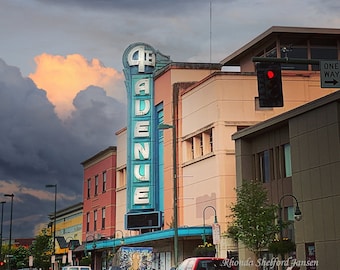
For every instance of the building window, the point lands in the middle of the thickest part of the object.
(207, 140)
(294, 52)
(88, 188)
(210, 134)
(199, 145)
(192, 148)
(95, 216)
(103, 217)
(87, 222)
(96, 185)
(121, 178)
(264, 166)
(287, 160)
(323, 53)
(278, 163)
(104, 182)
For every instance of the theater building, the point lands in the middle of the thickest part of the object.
(176, 168)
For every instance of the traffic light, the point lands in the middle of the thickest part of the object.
(2, 263)
(269, 84)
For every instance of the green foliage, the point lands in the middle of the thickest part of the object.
(253, 217)
(85, 261)
(284, 246)
(20, 257)
(207, 249)
(41, 250)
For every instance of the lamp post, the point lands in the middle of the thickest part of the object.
(70, 247)
(297, 213)
(175, 195)
(215, 221)
(122, 238)
(2, 221)
(92, 254)
(174, 165)
(55, 215)
(10, 228)
(297, 216)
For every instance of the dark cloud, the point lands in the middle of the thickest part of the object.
(37, 148)
(146, 7)
(97, 117)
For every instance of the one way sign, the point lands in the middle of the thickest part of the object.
(330, 74)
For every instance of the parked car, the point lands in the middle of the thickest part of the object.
(206, 263)
(75, 267)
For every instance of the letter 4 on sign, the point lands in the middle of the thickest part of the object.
(330, 74)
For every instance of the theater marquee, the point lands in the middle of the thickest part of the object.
(140, 63)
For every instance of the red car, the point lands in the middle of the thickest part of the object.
(206, 263)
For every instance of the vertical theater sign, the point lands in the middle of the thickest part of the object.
(141, 62)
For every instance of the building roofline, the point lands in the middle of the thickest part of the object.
(284, 117)
(187, 65)
(121, 130)
(99, 154)
(67, 210)
(230, 60)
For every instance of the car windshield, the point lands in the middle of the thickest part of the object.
(212, 265)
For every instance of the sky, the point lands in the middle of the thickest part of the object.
(62, 93)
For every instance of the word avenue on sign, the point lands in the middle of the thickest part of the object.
(330, 74)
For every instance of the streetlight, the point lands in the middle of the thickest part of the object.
(215, 221)
(297, 213)
(55, 212)
(2, 221)
(175, 196)
(93, 255)
(122, 238)
(10, 228)
(70, 248)
(163, 126)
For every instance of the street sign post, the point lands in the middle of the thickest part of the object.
(330, 74)
(216, 232)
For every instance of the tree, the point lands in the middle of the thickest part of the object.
(253, 218)
(41, 250)
(20, 257)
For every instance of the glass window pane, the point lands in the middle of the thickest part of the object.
(323, 53)
(297, 52)
(287, 156)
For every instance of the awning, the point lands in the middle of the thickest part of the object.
(148, 237)
(80, 248)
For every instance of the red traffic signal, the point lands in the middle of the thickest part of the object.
(2, 263)
(269, 84)
(270, 74)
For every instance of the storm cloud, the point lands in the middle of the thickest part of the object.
(39, 148)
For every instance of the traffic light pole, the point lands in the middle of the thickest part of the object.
(287, 60)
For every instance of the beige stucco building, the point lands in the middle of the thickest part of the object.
(206, 105)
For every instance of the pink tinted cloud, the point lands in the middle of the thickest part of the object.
(63, 77)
